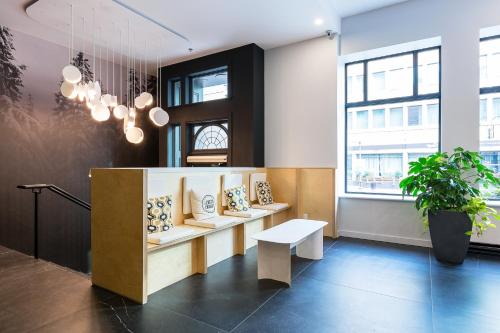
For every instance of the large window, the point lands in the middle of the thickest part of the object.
(489, 102)
(209, 86)
(210, 137)
(392, 118)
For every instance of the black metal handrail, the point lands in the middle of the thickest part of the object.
(36, 189)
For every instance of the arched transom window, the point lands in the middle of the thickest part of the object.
(210, 137)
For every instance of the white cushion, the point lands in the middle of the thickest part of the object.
(273, 206)
(204, 204)
(251, 213)
(255, 177)
(230, 181)
(170, 235)
(200, 183)
(213, 223)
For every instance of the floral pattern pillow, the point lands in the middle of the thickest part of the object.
(236, 198)
(159, 214)
(264, 194)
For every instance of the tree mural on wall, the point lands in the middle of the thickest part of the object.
(138, 84)
(11, 80)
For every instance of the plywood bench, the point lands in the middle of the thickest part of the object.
(275, 244)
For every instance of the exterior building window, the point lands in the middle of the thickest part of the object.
(209, 86)
(489, 107)
(210, 137)
(174, 151)
(174, 92)
(392, 120)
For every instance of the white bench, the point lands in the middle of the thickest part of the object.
(275, 244)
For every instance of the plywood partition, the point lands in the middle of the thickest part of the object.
(118, 231)
(309, 191)
(316, 196)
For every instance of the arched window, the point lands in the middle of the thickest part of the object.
(211, 136)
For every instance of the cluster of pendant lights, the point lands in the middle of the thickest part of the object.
(89, 92)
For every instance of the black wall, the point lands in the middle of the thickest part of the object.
(244, 108)
(40, 144)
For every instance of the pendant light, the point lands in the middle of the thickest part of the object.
(158, 116)
(71, 73)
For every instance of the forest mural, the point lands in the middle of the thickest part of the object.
(47, 138)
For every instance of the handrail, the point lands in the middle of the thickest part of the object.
(55, 189)
(36, 189)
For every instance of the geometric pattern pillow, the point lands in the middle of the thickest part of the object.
(236, 198)
(159, 214)
(264, 194)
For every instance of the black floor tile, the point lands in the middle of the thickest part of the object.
(398, 278)
(224, 297)
(314, 306)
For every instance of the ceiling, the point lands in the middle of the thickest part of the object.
(208, 25)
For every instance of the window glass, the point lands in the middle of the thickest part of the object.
(362, 119)
(428, 72)
(349, 120)
(210, 86)
(174, 151)
(396, 117)
(415, 115)
(209, 137)
(483, 111)
(432, 114)
(489, 61)
(496, 107)
(378, 118)
(355, 79)
(390, 77)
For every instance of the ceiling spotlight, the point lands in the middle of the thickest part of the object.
(318, 21)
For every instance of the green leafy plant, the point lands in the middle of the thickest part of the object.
(452, 182)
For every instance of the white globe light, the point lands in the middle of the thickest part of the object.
(134, 135)
(120, 111)
(68, 90)
(139, 102)
(158, 116)
(100, 112)
(106, 99)
(91, 103)
(81, 92)
(114, 101)
(148, 98)
(91, 92)
(71, 74)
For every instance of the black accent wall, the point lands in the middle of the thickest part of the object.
(244, 107)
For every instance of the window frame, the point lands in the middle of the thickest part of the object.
(485, 91)
(202, 126)
(216, 70)
(367, 103)
(171, 92)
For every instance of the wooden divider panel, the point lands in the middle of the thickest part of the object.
(118, 231)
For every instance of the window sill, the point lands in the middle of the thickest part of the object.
(397, 198)
(381, 197)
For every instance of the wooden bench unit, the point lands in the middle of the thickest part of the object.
(125, 263)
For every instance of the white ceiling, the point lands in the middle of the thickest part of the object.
(210, 25)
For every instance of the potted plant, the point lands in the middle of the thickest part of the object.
(447, 191)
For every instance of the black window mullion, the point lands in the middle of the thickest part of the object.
(365, 81)
(415, 73)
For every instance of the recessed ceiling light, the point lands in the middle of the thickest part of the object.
(318, 21)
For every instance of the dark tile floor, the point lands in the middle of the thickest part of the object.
(359, 286)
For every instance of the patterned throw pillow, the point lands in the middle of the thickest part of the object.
(264, 193)
(159, 214)
(236, 198)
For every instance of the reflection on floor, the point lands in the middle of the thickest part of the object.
(359, 286)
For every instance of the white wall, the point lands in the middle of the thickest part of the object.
(458, 23)
(300, 99)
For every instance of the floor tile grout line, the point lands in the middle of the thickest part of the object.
(281, 289)
(432, 298)
(195, 319)
(258, 308)
(366, 290)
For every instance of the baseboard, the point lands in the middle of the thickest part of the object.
(386, 238)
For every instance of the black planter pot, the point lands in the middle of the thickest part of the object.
(449, 241)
